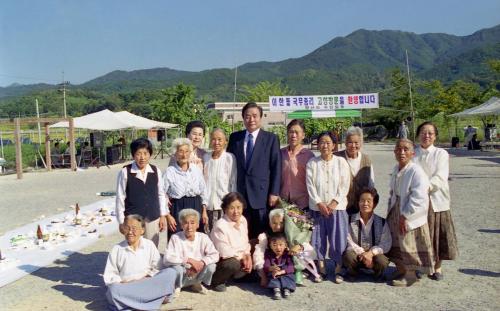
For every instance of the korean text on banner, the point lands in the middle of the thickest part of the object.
(323, 102)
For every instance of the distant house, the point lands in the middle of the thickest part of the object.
(228, 110)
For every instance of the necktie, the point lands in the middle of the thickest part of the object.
(249, 149)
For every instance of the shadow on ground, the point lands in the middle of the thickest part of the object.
(489, 230)
(490, 156)
(79, 278)
(480, 272)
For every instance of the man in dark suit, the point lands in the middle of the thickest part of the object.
(258, 161)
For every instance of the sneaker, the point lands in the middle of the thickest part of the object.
(199, 288)
(339, 279)
(318, 279)
(276, 294)
(286, 293)
(177, 292)
(406, 281)
(220, 288)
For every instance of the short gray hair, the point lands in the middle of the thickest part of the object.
(185, 213)
(137, 217)
(178, 142)
(218, 129)
(405, 140)
(276, 212)
(354, 131)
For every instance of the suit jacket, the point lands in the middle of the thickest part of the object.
(263, 175)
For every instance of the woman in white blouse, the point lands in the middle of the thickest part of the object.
(220, 175)
(360, 167)
(184, 185)
(192, 254)
(435, 162)
(131, 272)
(327, 179)
(408, 205)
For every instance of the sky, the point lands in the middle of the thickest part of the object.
(39, 40)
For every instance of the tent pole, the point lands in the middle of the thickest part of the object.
(19, 155)
(48, 159)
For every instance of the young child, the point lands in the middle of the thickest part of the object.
(276, 225)
(278, 266)
(131, 272)
(369, 238)
(140, 191)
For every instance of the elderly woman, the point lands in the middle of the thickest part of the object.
(230, 236)
(220, 174)
(294, 159)
(131, 273)
(192, 254)
(184, 185)
(195, 132)
(407, 218)
(327, 179)
(360, 167)
(435, 163)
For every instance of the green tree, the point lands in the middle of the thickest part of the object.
(262, 90)
(178, 104)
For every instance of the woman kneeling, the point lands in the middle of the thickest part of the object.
(192, 254)
(230, 236)
(131, 272)
(369, 238)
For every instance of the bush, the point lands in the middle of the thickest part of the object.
(29, 155)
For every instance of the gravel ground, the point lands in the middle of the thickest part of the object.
(75, 283)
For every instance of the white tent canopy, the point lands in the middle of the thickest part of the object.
(139, 122)
(490, 107)
(106, 120)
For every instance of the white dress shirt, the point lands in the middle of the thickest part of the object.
(412, 186)
(327, 181)
(126, 264)
(121, 188)
(178, 183)
(254, 135)
(220, 177)
(435, 163)
(180, 249)
(229, 239)
(384, 245)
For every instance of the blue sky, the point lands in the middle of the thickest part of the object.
(86, 39)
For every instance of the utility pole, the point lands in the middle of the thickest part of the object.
(63, 84)
(63, 90)
(234, 97)
(411, 98)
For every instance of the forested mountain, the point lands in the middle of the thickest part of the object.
(359, 62)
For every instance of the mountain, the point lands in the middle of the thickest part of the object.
(354, 63)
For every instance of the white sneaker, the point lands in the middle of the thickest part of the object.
(177, 292)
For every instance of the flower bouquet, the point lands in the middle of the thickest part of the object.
(298, 225)
(298, 231)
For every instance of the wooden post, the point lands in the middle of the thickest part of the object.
(72, 144)
(19, 155)
(48, 158)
